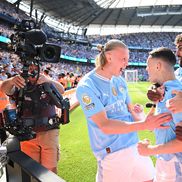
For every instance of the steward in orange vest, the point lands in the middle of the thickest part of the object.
(3, 101)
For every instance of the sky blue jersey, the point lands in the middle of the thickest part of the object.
(166, 135)
(95, 94)
(178, 74)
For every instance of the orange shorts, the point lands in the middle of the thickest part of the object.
(44, 148)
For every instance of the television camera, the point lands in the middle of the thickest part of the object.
(29, 42)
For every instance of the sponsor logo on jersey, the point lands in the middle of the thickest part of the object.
(90, 106)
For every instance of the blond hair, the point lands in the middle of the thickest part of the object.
(178, 39)
(101, 59)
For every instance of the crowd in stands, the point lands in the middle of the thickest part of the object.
(88, 52)
(141, 40)
(139, 43)
(78, 50)
(10, 10)
(6, 31)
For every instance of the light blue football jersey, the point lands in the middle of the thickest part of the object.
(178, 74)
(95, 94)
(166, 135)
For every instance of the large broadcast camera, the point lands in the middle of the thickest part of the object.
(29, 42)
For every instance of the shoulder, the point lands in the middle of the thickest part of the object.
(176, 84)
(87, 80)
(87, 85)
(172, 85)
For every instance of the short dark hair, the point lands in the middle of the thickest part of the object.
(165, 54)
(178, 39)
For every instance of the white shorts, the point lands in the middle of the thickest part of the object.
(168, 171)
(125, 165)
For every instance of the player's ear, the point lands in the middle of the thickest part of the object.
(158, 66)
(108, 56)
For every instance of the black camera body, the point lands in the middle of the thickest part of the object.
(17, 127)
(29, 42)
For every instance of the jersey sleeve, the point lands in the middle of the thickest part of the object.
(89, 101)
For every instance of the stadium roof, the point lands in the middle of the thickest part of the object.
(102, 15)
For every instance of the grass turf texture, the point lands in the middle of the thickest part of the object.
(77, 163)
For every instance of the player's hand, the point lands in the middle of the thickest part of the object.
(155, 121)
(144, 147)
(155, 93)
(137, 112)
(174, 104)
(138, 108)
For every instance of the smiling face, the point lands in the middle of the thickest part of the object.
(117, 60)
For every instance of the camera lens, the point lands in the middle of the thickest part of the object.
(49, 52)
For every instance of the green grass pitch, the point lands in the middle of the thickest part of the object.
(77, 163)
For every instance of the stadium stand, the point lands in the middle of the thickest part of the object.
(78, 51)
(139, 43)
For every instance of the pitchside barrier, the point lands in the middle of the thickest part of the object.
(21, 168)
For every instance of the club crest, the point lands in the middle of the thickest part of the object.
(121, 89)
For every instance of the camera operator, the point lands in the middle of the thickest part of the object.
(45, 147)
